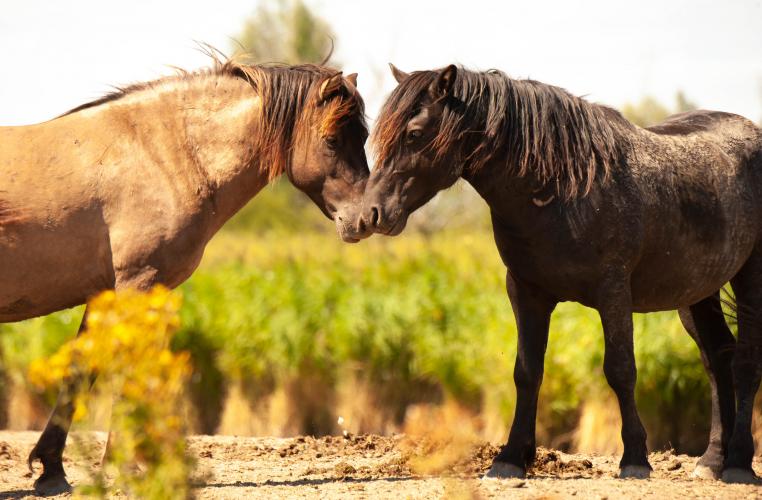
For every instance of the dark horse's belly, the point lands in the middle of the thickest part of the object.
(671, 258)
(674, 281)
(694, 245)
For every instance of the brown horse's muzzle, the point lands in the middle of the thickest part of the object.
(350, 225)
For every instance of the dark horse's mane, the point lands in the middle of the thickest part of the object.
(289, 97)
(542, 130)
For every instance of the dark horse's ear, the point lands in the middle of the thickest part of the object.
(442, 86)
(330, 86)
(399, 75)
(352, 79)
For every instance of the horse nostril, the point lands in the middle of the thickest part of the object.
(361, 225)
(374, 216)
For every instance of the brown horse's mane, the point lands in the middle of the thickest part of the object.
(289, 100)
(545, 132)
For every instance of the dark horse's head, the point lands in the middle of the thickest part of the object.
(439, 125)
(313, 129)
(410, 168)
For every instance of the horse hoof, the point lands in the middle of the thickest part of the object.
(706, 472)
(635, 472)
(51, 485)
(504, 470)
(737, 475)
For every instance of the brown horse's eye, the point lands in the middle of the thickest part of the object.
(414, 135)
(331, 140)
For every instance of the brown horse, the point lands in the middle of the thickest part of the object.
(587, 207)
(126, 191)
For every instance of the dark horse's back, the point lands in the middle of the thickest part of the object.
(700, 183)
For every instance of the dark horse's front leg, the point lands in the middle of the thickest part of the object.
(615, 309)
(532, 310)
(50, 446)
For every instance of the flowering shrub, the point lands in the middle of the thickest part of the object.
(127, 345)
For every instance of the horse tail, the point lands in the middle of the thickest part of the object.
(729, 305)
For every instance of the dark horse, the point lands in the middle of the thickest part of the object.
(126, 191)
(587, 207)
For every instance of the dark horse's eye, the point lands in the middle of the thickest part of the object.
(331, 140)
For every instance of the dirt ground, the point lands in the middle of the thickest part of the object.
(377, 467)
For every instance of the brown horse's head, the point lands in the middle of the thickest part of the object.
(313, 129)
(328, 158)
(413, 162)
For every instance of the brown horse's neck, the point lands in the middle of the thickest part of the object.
(215, 118)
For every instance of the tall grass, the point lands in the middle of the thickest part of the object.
(409, 320)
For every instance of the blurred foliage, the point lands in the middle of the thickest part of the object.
(649, 111)
(280, 208)
(127, 344)
(415, 311)
(285, 31)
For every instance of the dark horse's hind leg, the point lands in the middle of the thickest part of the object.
(532, 311)
(706, 324)
(747, 361)
(615, 308)
(50, 446)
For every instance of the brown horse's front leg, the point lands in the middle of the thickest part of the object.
(50, 446)
(532, 310)
(615, 309)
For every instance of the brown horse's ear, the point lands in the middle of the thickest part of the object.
(399, 75)
(352, 79)
(442, 86)
(330, 86)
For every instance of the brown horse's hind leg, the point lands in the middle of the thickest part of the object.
(705, 322)
(50, 446)
(747, 369)
(532, 312)
(615, 309)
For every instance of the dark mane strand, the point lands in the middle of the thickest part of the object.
(545, 132)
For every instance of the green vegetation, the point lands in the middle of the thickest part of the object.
(649, 111)
(280, 306)
(285, 31)
(416, 319)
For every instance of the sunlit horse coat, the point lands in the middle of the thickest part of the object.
(126, 191)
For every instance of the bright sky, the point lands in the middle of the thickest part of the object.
(59, 54)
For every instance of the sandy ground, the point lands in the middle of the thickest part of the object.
(378, 467)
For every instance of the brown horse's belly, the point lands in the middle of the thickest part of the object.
(43, 270)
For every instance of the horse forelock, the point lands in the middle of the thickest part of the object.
(543, 131)
(401, 106)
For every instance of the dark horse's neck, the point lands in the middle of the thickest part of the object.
(537, 138)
